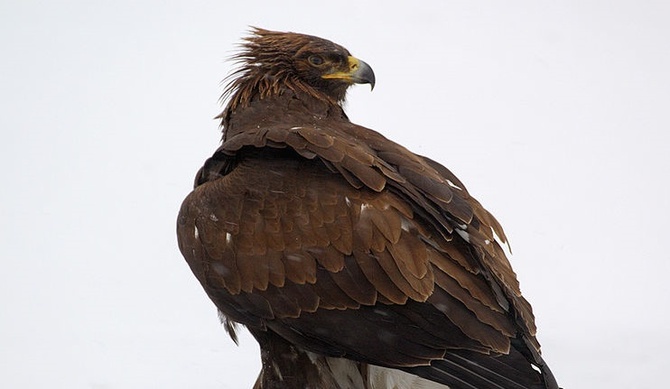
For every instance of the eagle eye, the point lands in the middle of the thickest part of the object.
(316, 60)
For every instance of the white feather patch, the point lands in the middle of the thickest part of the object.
(385, 378)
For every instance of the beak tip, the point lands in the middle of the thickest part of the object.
(365, 75)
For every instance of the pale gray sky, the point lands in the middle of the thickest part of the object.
(555, 116)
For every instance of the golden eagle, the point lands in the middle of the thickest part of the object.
(354, 262)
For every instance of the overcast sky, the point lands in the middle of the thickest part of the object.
(554, 114)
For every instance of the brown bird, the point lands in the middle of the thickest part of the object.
(354, 262)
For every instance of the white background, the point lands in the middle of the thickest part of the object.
(555, 115)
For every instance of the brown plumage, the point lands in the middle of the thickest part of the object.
(344, 253)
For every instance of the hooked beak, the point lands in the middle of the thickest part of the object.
(357, 72)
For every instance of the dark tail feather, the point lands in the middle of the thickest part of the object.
(471, 370)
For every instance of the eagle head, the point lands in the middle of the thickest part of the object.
(274, 61)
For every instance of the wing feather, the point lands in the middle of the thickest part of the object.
(300, 267)
(370, 266)
(353, 282)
